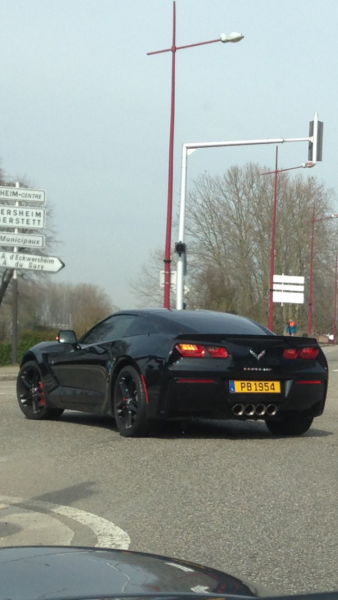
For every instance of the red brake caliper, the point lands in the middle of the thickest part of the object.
(42, 394)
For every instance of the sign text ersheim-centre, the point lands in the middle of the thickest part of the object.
(22, 194)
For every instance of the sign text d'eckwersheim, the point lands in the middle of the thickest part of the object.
(32, 262)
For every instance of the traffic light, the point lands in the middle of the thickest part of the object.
(180, 248)
(316, 143)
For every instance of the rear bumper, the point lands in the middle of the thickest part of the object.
(211, 398)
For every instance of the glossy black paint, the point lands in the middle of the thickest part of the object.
(37, 573)
(82, 376)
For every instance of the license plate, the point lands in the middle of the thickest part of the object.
(255, 387)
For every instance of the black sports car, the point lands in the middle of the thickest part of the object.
(148, 366)
(69, 573)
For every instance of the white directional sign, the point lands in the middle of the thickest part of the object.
(33, 262)
(22, 194)
(23, 240)
(22, 217)
(172, 278)
(288, 289)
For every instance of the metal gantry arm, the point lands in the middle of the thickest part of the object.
(188, 149)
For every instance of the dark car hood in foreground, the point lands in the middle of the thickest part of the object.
(36, 573)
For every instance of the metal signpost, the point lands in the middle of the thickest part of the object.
(25, 217)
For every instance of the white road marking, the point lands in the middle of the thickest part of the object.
(29, 524)
(107, 533)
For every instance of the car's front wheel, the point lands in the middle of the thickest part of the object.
(130, 404)
(289, 426)
(31, 395)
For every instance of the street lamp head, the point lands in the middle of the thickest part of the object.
(308, 165)
(233, 37)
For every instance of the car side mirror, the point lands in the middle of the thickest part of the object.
(67, 336)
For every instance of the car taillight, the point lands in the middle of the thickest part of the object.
(197, 351)
(309, 353)
(306, 353)
(291, 353)
(217, 351)
(192, 350)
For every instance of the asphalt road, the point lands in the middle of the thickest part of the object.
(229, 495)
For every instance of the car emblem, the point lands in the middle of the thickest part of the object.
(258, 356)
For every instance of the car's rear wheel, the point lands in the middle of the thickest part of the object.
(130, 404)
(289, 426)
(31, 395)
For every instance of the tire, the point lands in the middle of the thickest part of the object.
(130, 404)
(290, 426)
(31, 395)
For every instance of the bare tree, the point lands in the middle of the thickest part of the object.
(146, 287)
(63, 305)
(229, 228)
(229, 223)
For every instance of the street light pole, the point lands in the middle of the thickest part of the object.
(313, 221)
(274, 224)
(310, 317)
(273, 243)
(233, 37)
(15, 305)
(335, 302)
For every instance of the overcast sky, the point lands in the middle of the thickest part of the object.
(85, 112)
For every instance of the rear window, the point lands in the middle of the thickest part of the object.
(201, 321)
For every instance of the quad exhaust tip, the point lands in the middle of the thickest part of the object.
(271, 410)
(250, 410)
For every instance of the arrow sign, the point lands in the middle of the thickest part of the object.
(32, 262)
(22, 194)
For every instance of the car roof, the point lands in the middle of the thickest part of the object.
(203, 321)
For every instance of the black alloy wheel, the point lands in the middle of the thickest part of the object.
(289, 426)
(130, 404)
(31, 395)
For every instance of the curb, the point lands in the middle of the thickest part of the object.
(9, 373)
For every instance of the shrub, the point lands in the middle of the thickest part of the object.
(31, 337)
(27, 339)
(5, 354)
